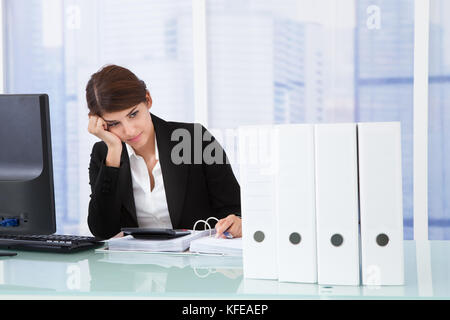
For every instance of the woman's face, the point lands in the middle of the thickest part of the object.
(133, 126)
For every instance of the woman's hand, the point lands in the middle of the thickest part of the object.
(99, 128)
(232, 224)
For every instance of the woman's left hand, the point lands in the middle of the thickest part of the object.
(231, 224)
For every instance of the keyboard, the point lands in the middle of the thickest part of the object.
(49, 243)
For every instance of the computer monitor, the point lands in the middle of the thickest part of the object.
(27, 203)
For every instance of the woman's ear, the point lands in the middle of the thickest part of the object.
(149, 100)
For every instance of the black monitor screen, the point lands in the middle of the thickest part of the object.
(26, 172)
(20, 138)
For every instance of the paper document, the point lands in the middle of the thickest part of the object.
(232, 247)
(129, 243)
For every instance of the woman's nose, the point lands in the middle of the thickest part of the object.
(129, 131)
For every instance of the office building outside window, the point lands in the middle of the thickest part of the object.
(54, 46)
(274, 62)
(268, 62)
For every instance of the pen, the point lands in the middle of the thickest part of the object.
(228, 235)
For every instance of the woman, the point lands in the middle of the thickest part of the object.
(142, 175)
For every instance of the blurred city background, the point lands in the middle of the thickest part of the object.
(268, 62)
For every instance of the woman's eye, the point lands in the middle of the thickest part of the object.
(112, 125)
(134, 114)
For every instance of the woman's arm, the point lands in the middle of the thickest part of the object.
(223, 188)
(104, 206)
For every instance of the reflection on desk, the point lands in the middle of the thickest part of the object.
(118, 272)
(427, 275)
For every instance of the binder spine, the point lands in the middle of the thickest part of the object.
(295, 204)
(257, 172)
(337, 204)
(381, 202)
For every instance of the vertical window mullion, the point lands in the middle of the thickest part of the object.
(200, 61)
(420, 129)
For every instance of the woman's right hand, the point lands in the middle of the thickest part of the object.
(98, 127)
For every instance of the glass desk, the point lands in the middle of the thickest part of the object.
(116, 275)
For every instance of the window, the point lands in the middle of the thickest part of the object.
(313, 62)
(268, 62)
(54, 46)
(439, 122)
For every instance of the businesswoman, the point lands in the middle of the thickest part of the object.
(142, 174)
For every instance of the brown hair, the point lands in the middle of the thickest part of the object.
(114, 88)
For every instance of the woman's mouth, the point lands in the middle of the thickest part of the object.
(135, 138)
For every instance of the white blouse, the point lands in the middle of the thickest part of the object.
(151, 206)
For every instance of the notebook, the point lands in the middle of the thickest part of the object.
(203, 241)
(129, 243)
(210, 244)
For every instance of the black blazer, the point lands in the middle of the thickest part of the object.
(193, 191)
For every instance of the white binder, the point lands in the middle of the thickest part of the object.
(295, 203)
(337, 204)
(257, 176)
(381, 207)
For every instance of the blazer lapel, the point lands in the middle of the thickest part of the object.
(126, 189)
(174, 176)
